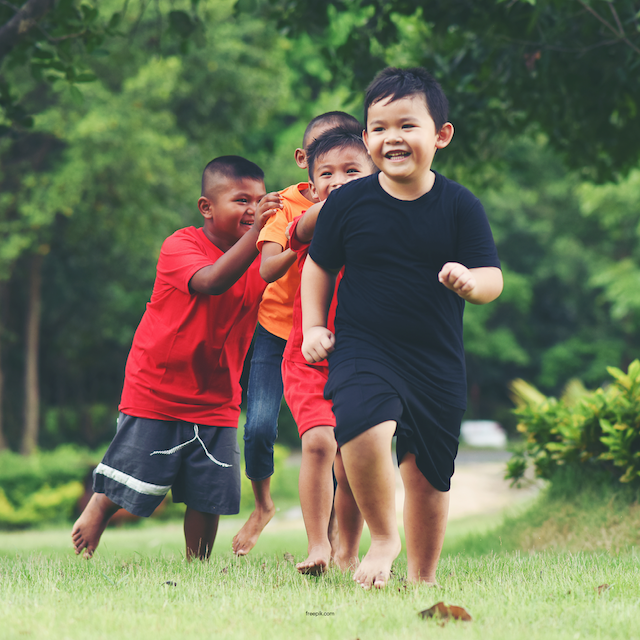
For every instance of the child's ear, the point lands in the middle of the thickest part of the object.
(205, 206)
(444, 135)
(301, 158)
(314, 191)
(365, 140)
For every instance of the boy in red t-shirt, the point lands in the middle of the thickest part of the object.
(335, 157)
(180, 402)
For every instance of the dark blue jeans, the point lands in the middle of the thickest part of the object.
(264, 396)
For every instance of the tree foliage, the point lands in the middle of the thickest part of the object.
(570, 66)
(95, 174)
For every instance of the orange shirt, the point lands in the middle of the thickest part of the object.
(276, 309)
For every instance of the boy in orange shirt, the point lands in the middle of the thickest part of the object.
(264, 394)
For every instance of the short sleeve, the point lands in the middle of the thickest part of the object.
(295, 244)
(476, 247)
(180, 258)
(327, 246)
(275, 230)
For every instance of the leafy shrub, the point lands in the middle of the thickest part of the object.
(44, 487)
(600, 429)
(50, 505)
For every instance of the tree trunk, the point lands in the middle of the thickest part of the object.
(32, 347)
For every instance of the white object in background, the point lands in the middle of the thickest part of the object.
(483, 433)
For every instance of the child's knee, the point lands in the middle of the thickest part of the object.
(319, 442)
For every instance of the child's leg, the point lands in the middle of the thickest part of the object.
(260, 517)
(264, 396)
(350, 520)
(425, 522)
(200, 531)
(316, 495)
(90, 526)
(371, 473)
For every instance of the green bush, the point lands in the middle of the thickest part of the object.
(599, 430)
(44, 487)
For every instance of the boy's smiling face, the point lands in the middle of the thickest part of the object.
(337, 166)
(229, 209)
(402, 139)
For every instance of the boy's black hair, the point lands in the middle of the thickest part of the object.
(332, 118)
(394, 83)
(336, 138)
(234, 167)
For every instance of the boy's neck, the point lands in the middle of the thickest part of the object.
(222, 243)
(306, 193)
(411, 190)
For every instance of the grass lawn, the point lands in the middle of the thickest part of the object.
(138, 586)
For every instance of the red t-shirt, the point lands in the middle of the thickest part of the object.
(187, 354)
(292, 351)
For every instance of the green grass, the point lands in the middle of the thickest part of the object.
(138, 586)
(533, 574)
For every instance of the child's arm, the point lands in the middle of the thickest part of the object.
(220, 276)
(316, 290)
(275, 261)
(307, 223)
(478, 286)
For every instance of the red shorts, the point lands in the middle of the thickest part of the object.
(304, 393)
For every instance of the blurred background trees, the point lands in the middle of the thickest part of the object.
(109, 112)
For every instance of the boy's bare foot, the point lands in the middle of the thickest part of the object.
(247, 537)
(346, 562)
(90, 526)
(375, 568)
(318, 560)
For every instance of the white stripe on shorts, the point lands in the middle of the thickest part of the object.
(133, 483)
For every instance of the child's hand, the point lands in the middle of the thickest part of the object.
(318, 343)
(287, 231)
(458, 278)
(266, 208)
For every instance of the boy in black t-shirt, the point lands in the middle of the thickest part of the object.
(415, 247)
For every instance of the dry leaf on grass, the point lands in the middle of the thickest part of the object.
(603, 587)
(289, 558)
(446, 612)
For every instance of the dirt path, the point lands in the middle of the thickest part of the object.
(478, 487)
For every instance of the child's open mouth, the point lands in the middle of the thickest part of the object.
(396, 155)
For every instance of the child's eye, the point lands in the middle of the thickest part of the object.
(353, 170)
(325, 174)
(378, 129)
(242, 200)
(408, 126)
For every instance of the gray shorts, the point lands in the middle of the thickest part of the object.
(200, 464)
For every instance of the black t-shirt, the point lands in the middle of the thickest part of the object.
(391, 307)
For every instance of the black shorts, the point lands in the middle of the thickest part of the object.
(200, 464)
(365, 393)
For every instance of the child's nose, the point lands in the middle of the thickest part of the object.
(394, 136)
